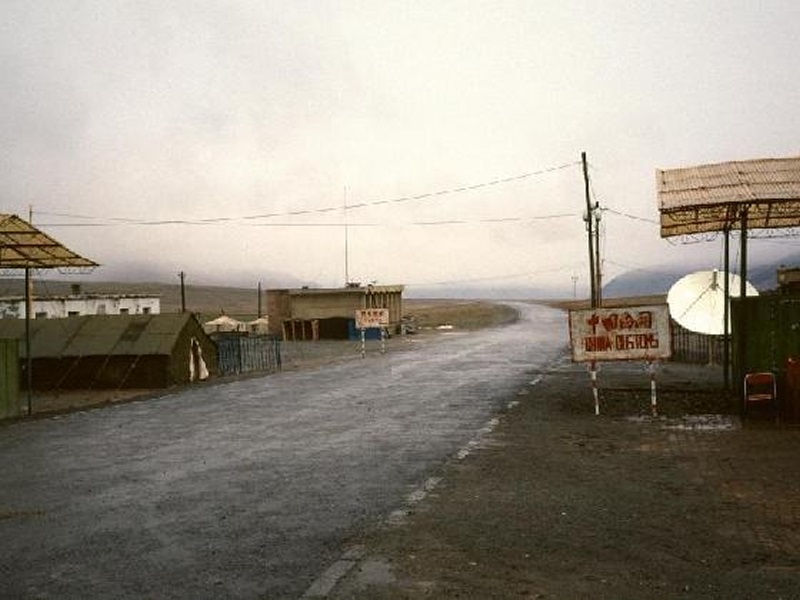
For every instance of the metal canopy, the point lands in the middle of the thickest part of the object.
(709, 198)
(23, 246)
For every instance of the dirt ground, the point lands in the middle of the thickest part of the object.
(560, 503)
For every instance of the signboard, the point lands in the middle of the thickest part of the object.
(372, 318)
(625, 333)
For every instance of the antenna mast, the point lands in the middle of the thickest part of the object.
(346, 243)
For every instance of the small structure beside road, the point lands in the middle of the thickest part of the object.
(329, 313)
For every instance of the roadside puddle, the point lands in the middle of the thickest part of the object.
(710, 422)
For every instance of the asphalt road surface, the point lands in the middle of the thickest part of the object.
(251, 488)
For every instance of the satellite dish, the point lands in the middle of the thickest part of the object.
(697, 300)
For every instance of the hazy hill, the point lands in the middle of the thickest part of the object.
(658, 280)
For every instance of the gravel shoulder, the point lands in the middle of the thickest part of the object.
(560, 503)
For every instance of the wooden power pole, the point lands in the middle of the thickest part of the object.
(589, 218)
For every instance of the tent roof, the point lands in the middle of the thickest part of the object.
(708, 198)
(222, 320)
(23, 246)
(100, 335)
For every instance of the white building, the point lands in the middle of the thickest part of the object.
(58, 307)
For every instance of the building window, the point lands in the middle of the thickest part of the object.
(124, 311)
(40, 315)
(101, 309)
(145, 310)
(74, 313)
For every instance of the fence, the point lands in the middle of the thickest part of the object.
(691, 347)
(247, 354)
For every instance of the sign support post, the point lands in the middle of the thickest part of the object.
(651, 369)
(621, 334)
(595, 391)
(372, 318)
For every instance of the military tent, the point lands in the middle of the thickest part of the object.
(114, 351)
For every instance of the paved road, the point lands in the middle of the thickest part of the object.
(250, 488)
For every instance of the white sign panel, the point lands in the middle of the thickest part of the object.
(372, 318)
(626, 333)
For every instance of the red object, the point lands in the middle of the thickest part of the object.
(760, 388)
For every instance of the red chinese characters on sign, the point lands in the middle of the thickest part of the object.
(369, 318)
(621, 333)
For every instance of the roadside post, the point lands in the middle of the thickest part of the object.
(372, 318)
(621, 334)
(595, 391)
(651, 370)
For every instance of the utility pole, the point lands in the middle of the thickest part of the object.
(182, 275)
(598, 290)
(259, 300)
(28, 316)
(588, 219)
(743, 309)
(726, 327)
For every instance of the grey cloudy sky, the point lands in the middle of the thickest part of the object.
(118, 113)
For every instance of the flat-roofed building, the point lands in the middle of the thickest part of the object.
(329, 313)
(81, 304)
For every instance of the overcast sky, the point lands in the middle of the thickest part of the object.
(117, 116)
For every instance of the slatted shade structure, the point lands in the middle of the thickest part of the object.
(710, 198)
(23, 246)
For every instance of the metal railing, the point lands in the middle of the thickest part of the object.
(238, 354)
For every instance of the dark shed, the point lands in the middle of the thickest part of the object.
(114, 351)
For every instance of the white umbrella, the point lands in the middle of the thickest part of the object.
(223, 323)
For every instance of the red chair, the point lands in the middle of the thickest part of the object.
(760, 389)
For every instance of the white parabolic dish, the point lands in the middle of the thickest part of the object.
(697, 301)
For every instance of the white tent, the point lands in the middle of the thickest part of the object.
(223, 324)
(258, 326)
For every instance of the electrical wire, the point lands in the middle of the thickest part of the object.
(311, 211)
(500, 277)
(359, 224)
(631, 216)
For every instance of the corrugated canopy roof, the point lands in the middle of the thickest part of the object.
(22, 246)
(709, 198)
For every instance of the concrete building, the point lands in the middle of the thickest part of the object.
(329, 313)
(79, 304)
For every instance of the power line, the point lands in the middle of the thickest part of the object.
(499, 220)
(631, 216)
(310, 211)
(500, 277)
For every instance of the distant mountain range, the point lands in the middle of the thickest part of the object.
(658, 280)
(652, 281)
(215, 294)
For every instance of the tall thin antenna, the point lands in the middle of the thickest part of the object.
(346, 243)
